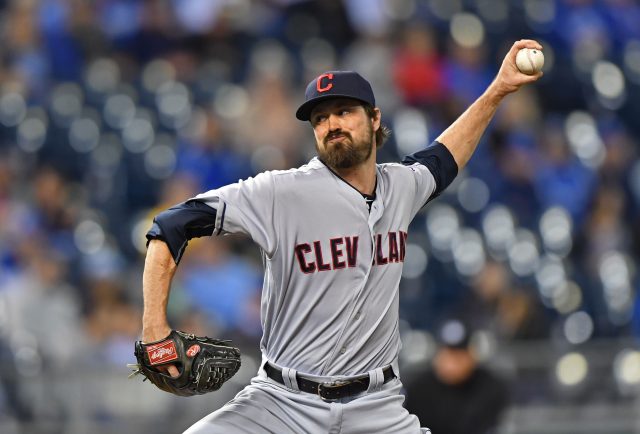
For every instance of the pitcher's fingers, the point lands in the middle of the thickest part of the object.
(534, 77)
(527, 43)
(173, 371)
(170, 369)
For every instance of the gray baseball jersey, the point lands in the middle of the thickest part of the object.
(332, 266)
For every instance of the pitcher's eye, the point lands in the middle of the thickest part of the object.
(320, 118)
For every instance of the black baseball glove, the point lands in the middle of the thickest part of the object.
(204, 363)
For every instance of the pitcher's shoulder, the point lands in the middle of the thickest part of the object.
(394, 168)
(313, 167)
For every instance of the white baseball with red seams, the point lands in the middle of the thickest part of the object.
(529, 60)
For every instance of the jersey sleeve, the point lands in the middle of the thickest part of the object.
(180, 223)
(246, 207)
(433, 168)
(422, 184)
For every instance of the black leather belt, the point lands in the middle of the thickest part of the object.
(330, 391)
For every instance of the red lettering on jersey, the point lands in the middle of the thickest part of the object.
(306, 267)
(339, 248)
(322, 266)
(403, 244)
(380, 259)
(393, 248)
(351, 245)
(328, 86)
(336, 253)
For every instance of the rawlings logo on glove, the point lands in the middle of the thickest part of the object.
(205, 364)
(161, 353)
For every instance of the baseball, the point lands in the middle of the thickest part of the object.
(529, 60)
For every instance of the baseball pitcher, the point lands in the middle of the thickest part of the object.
(333, 236)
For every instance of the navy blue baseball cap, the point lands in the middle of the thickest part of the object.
(335, 84)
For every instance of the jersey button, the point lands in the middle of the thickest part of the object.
(343, 350)
(357, 315)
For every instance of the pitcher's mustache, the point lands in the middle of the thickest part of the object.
(336, 134)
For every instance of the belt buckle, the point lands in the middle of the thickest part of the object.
(329, 387)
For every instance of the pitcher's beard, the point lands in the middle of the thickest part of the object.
(346, 153)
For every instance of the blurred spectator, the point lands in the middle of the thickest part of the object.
(42, 307)
(561, 178)
(277, 144)
(204, 156)
(223, 285)
(508, 311)
(112, 322)
(418, 69)
(467, 73)
(457, 395)
(54, 210)
(512, 150)
(27, 55)
(605, 228)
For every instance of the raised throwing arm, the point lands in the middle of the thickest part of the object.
(462, 136)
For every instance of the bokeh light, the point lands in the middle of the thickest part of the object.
(32, 133)
(494, 12)
(473, 194)
(84, 134)
(119, 111)
(173, 101)
(415, 261)
(584, 138)
(556, 229)
(138, 136)
(13, 109)
(157, 73)
(422, 345)
(632, 60)
(626, 370)
(318, 55)
(445, 9)
(400, 10)
(467, 30)
(524, 255)
(443, 225)
(578, 327)
(540, 14)
(89, 236)
(550, 276)
(66, 103)
(609, 82)
(160, 161)
(102, 76)
(567, 297)
(231, 102)
(498, 227)
(572, 369)
(411, 130)
(468, 252)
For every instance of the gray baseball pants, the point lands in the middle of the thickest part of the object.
(266, 406)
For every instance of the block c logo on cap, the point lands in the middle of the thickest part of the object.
(329, 85)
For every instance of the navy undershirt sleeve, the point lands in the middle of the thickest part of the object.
(180, 223)
(440, 162)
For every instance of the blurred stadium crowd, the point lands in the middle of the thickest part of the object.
(111, 110)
